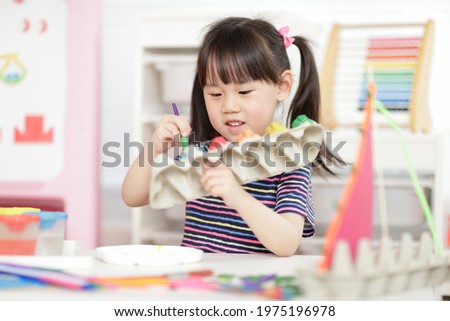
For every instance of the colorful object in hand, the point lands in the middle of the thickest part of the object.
(246, 134)
(175, 109)
(184, 141)
(275, 127)
(216, 143)
(302, 119)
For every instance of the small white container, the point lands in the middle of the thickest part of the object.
(52, 232)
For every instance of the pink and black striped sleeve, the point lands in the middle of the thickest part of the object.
(294, 196)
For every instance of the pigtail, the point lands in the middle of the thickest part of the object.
(307, 98)
(307, 101)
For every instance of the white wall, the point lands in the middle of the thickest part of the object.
(118, 49)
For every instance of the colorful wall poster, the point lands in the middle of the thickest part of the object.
(33, 94)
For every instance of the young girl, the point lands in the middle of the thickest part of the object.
(243, 74)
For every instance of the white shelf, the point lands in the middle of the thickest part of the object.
(404, 212)
(158, 59)
(402, 182)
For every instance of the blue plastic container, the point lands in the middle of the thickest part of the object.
(52, 232)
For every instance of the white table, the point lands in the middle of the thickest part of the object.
(236, 264)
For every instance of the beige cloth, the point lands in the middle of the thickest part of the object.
(251, 159)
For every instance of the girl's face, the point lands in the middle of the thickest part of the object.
(234, 108)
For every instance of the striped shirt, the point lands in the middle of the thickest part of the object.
(212, 226)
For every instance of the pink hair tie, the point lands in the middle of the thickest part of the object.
(287, 40)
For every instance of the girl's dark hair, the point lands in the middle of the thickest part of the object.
(237, 50)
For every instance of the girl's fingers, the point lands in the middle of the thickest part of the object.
(168, 129)
(183, 127)
(163, 135)
(214, 176)
(172, 130)
(212, 185)
(209, 172)
(207, 165)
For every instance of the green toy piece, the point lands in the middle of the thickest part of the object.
(302, 119)
(184, 141)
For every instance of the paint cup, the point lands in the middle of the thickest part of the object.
(17, 210)
(52, 232)
(18, 234)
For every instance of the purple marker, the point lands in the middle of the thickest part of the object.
(250, 284)
(175, 109)
(184, 140)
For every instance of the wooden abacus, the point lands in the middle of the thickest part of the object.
(399, 56)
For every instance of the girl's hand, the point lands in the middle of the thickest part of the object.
(168, 127)
(220, 181)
